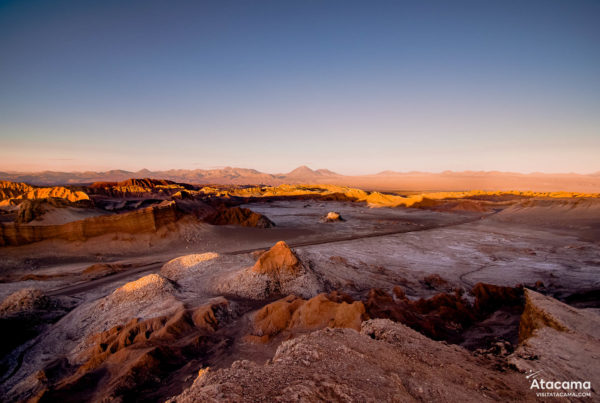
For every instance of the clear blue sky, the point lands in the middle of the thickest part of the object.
(356, 87)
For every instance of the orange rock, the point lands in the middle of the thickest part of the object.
(278, 260)
(320, 312)
(275, 317)
(296, 314)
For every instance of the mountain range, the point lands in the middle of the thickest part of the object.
(386, 180)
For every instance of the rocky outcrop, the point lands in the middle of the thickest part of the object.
(442, 317)
(23, 315)
(477, 206)
(292, 314)
(490, 297)
(332, 216)
(144, 220)
(560, 341)
(239, 216)
(149, 287)
(278, 261)
(384, 362)
(23, 302)
(183, 266)
(445, 316)
(128, 361)
(138, 188)
(13, 192)
(30, 210)
(277, 273)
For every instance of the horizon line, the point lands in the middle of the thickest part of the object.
(390, 171)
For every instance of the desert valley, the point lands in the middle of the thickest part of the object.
(299, 201)
(154, 290)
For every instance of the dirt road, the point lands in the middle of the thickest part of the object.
(82, 287)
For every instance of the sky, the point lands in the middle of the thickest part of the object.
(353, 86)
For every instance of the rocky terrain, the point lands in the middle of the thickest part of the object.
(169, 291)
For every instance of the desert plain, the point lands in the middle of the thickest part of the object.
(304, 289)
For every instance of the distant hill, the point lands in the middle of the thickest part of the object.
(386, 181)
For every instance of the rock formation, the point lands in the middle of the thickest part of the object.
(293, 314)
(384, 362)
(332, 216)
(183, 266)
(139, 188)
(444, 316)
(11, 191)
(239, 216)
(23, 315)
(560, 341)
(145, 220)
(128, 361)
(278, 272)
(24, 301)
(30, 210)
(278, 261)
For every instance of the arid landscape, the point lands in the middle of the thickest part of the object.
(299, 201)
(154, 290)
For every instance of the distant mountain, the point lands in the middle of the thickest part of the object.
(327, 172)
(302, 171)
(385, 181)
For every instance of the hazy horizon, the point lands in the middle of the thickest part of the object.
(223, 167)
(353, 87)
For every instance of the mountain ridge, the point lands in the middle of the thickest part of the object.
(385, 180)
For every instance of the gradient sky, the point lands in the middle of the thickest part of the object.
(356, 87)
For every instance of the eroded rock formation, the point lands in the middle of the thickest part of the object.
(292, 314)
(444, 316)
(386, 361)
(561, 341)
(23, 315)
(144, 187)
(145, 220)
(239, 216)
(128, 361)
(15, 192)
(278, 272)
(183, 266)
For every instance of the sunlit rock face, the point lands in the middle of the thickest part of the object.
(149, 219)
(22, 191)
(181, 267)
(293, 314)
(560, 340)
(332, 216)
(278, 261)
(139, 188)
(276, 273)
